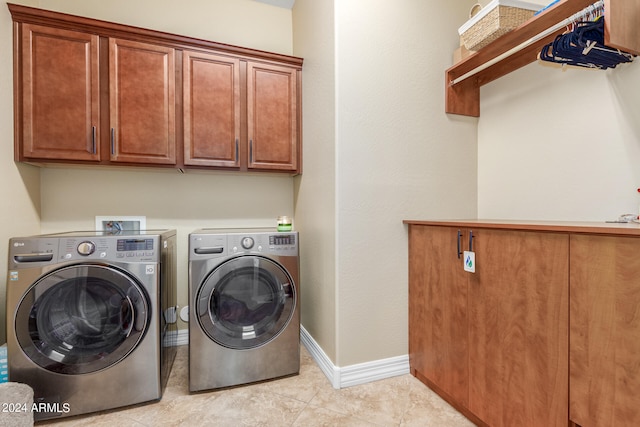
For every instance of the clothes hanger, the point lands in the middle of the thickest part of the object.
(584, 46)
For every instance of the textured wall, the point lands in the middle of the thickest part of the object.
(20, 188)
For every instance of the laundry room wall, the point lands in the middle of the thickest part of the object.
(20, 189)
(315, 190)
(398, 156)
(556, 145)
(385, 151)
(72, 197)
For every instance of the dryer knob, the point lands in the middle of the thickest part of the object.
(247, 243)
(86, 248)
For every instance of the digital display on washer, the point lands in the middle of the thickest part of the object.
(288, 239)
(135, 245)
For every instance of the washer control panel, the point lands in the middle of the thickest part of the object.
(28, 251)
(133, 249)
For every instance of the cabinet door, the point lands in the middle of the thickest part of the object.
(518, 328)
(604, 361)
(142, 102)
(272, 114)
(60, 94)
(211, 110)
(438, 331)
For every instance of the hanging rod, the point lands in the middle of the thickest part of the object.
(572, 19)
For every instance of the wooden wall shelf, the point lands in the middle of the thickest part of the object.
(463, 97)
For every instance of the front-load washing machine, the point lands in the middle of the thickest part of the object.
(90, 316)
(244, 315)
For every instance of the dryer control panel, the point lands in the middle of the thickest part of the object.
(207, 244)
(282, 244)
(282, 240)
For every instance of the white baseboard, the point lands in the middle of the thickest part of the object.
(346, 376)
(354, 374)
(321, 358)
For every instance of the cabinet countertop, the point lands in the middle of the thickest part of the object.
(615, 228)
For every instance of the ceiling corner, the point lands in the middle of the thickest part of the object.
(287, 4)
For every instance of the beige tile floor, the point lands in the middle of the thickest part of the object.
(305, 400)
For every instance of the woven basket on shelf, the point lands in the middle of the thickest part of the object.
(497, 22)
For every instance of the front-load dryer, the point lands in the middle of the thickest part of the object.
(244, 321)
(90, 316)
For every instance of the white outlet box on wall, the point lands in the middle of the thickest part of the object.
(121, 223)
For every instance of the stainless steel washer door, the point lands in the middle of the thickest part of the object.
(245, 302)
(82, 318)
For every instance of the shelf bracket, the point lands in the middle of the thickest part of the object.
(462, 98)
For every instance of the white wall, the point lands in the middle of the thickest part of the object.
(245, 23)
(399, 156)
(556, 145)
(20, 189)
(315, 189)
(560, 145)
(378, 149)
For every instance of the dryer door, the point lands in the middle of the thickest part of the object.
(82, 318)
(245, 302)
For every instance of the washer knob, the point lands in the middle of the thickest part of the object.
(86, 248)
(247, 242)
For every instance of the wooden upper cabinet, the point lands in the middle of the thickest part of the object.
(272, 114)
(91, 91)
(142, 102)
(211, 94)
(60, 90)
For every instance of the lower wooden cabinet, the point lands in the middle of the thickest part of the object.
(438, 312)
(518, 328)
(494, 343)
(546, 332)
(605, 331)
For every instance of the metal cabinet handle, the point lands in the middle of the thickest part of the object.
(113, 141)
(93, 140)
(470, 240)
(251, 151)
(237, 151)
(459, 239)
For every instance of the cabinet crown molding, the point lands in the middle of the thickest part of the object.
(31, 15)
